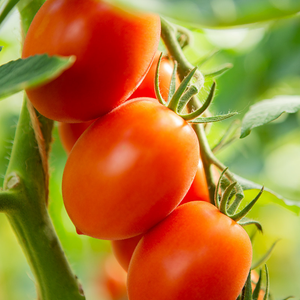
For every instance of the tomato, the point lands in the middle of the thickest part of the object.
(112, 280)
(195, 253)
(123, 250)
(129, 170)
(198, 189)
(70, 132)
(113, 47)
(147, 87)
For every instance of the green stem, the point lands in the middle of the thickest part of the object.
(168, 34)
(25, 182)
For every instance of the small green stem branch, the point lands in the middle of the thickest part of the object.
(168, 34)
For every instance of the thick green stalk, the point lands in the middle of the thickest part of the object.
(26, 185)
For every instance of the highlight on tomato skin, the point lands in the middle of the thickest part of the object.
(198, 253)
(119, 181)
(107, 42)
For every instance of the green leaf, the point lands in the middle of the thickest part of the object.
(32, 71)
(267, 111)
(213, 119)
(268, 195)
(216, 13)
(6, 8)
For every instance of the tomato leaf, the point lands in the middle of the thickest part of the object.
(268, 195)
(218, 13)
(6, 8)
(25, 73)
(267, 111)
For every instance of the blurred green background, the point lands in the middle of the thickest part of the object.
(266, 63)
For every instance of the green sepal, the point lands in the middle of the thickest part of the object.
(247, 289)
(186, 97)
(236, 202)
(238, 216)
(30, 72)
(219, 184)
(266, 296)
(265, 257)
(173, 104)
(1, 47)
(200, 110)
(257, 287)
(156, 85)
(245, 221)
(172, 87)
(212, 119)
(6, 9)
(226, 197)
(218, 72)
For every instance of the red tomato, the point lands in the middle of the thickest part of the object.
(70, 132)
(129, 170)
(195, 253)
(113, 48)
(123, 250)
(147, 87)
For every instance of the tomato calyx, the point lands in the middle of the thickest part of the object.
(178, 99)
(248, 294)
(229, 207)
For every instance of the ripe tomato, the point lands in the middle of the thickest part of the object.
(147, 87)
(195, 253)
(70, 132)
(129, 170)
(123, 250)
(113, 48)
(198, 189)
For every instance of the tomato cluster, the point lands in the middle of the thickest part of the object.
(133, 173)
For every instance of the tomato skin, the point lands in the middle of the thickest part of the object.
(147, 86)
(195, 253)
(69, 133)
(123, 250)
(129, 170)
(107, 42)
